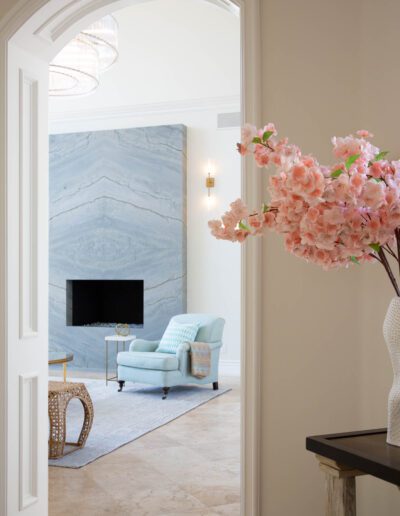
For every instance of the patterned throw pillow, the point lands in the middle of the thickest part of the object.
(175, 335)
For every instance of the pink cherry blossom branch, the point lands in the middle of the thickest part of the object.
(329, 215)
(397, 233)
(390, 251)
(388, 269)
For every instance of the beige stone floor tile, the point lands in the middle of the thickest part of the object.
(214, 495)
(173, 458)
(155, 439)
(157, 500)
(230, 510)
(212, 450)
(87, 499)
(65, 483)
(190, 434)
(196, 512)
(229, 464)
(188, 467)
(82, 508)
(127, 477)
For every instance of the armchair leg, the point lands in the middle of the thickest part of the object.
(215, 386)
(121, 385)
(165, 391)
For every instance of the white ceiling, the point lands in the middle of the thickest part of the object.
(170, 50)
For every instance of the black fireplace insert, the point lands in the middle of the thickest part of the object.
(104, 302)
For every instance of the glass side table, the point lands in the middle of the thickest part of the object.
(61, 357)
(118, 339)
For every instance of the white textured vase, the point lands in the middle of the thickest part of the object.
(391, 332)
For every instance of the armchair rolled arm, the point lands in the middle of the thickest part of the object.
(182, 348)
(183, 356)
(144, 345)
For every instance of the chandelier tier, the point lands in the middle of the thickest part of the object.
(103, 35)
(76, 69)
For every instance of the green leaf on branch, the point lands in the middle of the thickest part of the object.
(267, 135)
(378, 157)
(337, 173)
(265, 208)
(354, 260)
(351, 159)
(243, 226)
(256, 139)
(375, 247)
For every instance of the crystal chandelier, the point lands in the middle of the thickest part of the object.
(103, 35)
(77, 68)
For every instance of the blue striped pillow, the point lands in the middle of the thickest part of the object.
(175, 335)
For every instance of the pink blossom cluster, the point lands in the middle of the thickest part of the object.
(330, 215)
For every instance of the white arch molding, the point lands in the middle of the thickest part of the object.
(31, 33)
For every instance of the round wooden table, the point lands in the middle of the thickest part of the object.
(60, 357)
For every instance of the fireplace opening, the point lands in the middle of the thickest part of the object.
(104, 302)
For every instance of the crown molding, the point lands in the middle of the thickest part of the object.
(224, 104)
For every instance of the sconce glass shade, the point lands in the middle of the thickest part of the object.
(76, 69)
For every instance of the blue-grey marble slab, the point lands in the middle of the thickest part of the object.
(117, 211)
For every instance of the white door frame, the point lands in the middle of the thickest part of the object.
(42, 27)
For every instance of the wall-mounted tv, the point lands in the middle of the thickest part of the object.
(104, 302)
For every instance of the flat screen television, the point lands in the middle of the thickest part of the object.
(104, 302)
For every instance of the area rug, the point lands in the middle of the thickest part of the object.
(122, 417)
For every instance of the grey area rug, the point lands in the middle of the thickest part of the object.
(122, 417)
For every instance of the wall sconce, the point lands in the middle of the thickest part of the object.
(210, 183)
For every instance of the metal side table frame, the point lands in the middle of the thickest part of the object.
(118, 339)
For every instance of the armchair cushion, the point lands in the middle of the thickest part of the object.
(175, 335)
(148, 360)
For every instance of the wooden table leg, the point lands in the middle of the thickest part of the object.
(340, 487)
(65, 371)
(340, 496)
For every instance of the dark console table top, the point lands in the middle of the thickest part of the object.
(366, 451)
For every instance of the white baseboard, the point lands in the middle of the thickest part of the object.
(229, 367)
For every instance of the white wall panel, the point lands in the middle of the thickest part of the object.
(28, 218)
(28, 443)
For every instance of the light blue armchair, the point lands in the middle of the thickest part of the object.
(143, 364)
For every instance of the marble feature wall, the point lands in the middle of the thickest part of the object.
(117, 211)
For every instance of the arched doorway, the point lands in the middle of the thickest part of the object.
(30, 36)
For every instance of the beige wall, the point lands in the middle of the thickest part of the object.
(325, 366)
(5, 6)
(379, 111)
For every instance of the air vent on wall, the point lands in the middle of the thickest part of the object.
(225, 120)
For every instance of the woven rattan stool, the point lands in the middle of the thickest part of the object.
(60, 394)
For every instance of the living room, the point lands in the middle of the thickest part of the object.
(142, 156)
(319, 381)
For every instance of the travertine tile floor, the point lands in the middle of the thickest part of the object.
(187, 467)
